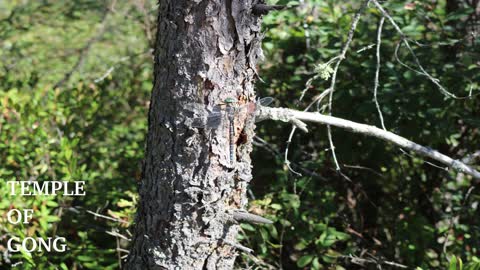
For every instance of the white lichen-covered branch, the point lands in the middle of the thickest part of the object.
(299, 117)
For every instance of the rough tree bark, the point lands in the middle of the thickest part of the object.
(205, 51)
(473, 21)
(471, 26)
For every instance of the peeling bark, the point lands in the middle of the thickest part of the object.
(206, 51)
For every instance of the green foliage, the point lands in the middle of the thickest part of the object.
(392, 206)
(385, 206)
(91, 128)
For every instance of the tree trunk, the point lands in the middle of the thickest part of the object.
(205, 52)
(472, 22)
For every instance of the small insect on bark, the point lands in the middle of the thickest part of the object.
(226, 111)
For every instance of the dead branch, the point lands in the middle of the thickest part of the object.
(238, 246)
(107, 217)
(363, 261)
(341, 57)
(285, 115)
(421, 70)
(240, 215)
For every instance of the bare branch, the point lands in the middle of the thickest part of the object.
(342, 55)
(238, 246)
(121, 60)
(118, 235)
(330, 90)
(85, 51)
(377, 72)
(107, 217)
(284, 114)
(306, 30)
(421, 70)
(272, 150)
(240, 215)
(376, 261)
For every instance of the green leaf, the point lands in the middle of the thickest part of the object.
(28, 256)
(68, 153)
(453, 263)
(124, 203)
(248, 227)
(316, 264)
(276, 206)
(84, 258)
(52, 204)
(304, 260)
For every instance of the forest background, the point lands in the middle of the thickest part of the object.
(75, 80)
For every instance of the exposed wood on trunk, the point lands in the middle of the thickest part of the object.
(205, 52)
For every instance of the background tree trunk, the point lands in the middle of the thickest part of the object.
(205, 52)
(472, 22)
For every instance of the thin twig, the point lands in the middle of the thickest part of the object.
(285, 115)
(426, 162)
(121, 60)
(119, 254)
(342, 55)
(260, 262)
(107, 217)
(421, 70)
(244, 216)
(316, 100)
(376, 261)
(304, 5)
(377, 72)
(358, 167)
(287, 148)
(85, 50)
(269, 148)
(116, 234)
(238, 246)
